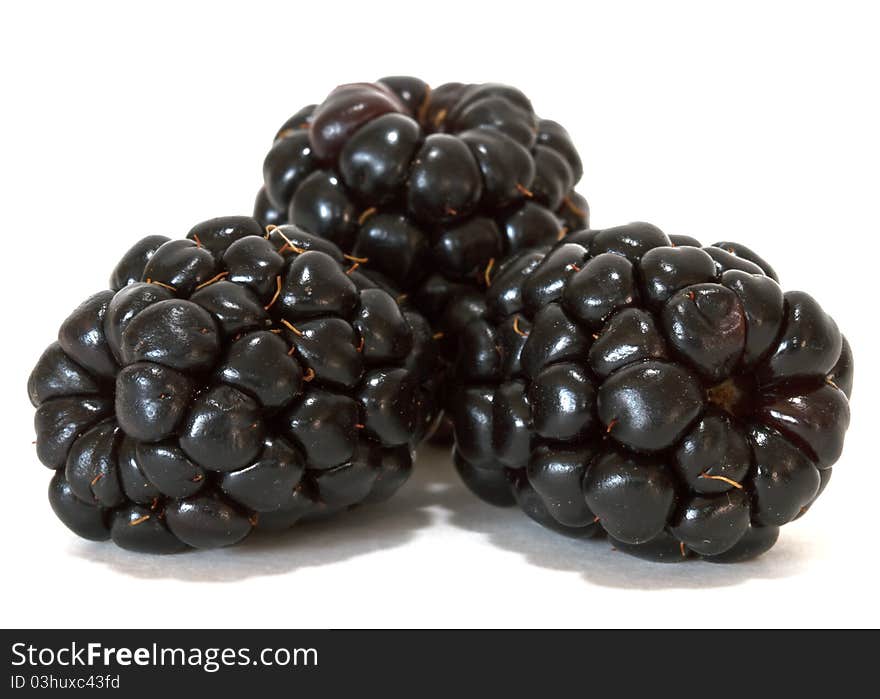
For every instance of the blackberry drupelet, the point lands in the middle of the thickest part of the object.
(672, 396)
(430, 186)
(230, 381)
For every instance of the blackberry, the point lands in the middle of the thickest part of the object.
(669, 395)
(230, 381)
(429, 187)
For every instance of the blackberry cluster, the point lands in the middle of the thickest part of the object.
(636, 384)
(414, 249)
(428, 187)
(230, 381)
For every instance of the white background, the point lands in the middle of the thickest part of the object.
(756, 122)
